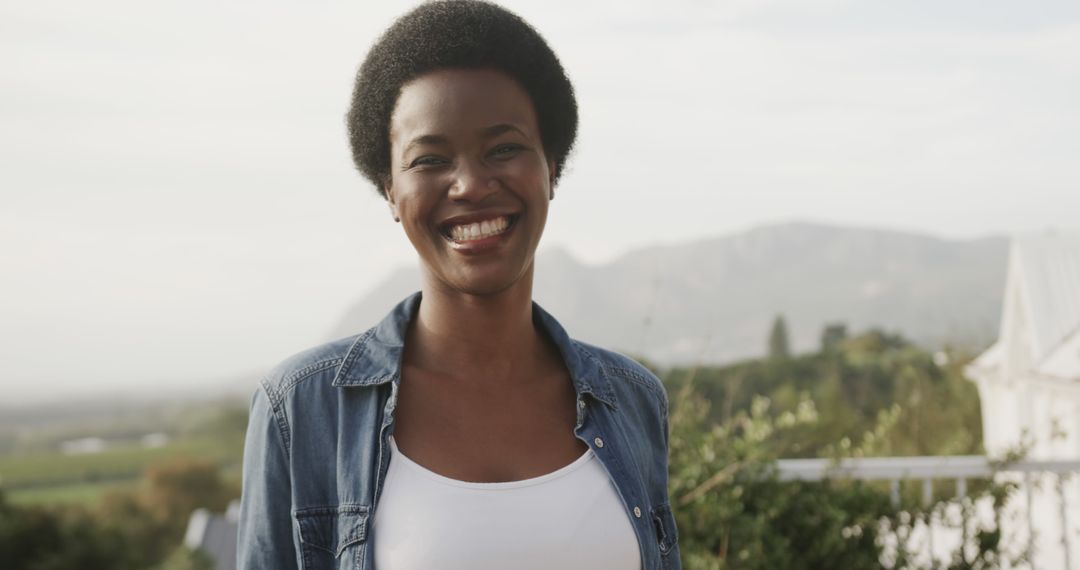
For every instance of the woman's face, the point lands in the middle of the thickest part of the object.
(468, 178)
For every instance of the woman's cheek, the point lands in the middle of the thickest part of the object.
(528, 172)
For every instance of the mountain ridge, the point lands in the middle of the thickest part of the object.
(712, 300)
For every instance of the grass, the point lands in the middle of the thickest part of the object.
(84, 494)
(54, 470)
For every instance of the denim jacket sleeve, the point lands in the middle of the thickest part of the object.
(673, 558)
(265, 535)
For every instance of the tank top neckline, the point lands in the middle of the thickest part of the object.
(490, 486)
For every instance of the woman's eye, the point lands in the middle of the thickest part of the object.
(427, 160)
(506, 150)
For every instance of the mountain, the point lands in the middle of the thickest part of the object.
(713, 300)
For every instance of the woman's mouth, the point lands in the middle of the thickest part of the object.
(478, 230)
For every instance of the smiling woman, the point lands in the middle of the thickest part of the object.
(467, 429)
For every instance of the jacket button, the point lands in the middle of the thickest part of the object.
(599, 442)
(637, 512)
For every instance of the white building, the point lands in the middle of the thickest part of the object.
(83, 446)
(215, 535)
(1029, 385)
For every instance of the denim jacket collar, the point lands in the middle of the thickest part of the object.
(375, 357)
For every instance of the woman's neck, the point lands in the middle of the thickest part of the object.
(475, 336)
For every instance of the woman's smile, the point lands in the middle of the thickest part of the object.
(478, 235)
(462, 231)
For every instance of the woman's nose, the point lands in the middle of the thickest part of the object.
(473, 183)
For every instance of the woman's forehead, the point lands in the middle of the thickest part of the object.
(461, 102)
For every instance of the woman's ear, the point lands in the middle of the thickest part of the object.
(388, 192)
(551, 178)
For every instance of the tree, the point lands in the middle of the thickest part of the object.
(39, 538)
(851, 384)
(779, 346)
(832, 335)
(172, 490)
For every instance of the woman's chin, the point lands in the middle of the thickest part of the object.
(485, 287)
(484, 282)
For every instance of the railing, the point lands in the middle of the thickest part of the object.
(928, 469)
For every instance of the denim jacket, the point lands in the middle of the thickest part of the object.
(317, 447)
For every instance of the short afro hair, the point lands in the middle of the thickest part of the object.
(465, 34)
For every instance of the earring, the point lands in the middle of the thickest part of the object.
(397, 219)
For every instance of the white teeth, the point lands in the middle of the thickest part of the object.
(479, 230)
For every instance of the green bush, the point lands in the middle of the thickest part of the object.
(733, 512)
(128, 530)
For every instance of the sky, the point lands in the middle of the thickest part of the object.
(178, 205)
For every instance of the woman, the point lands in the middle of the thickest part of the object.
(466, 430)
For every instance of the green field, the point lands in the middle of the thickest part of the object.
(86, 494)
(54, 477)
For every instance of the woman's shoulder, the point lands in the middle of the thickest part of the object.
(618, 373)
(625, 373)
(304, 367)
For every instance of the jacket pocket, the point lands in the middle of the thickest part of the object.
(667, 535)
(333, 538)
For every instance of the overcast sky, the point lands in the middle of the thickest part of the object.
(178, 205)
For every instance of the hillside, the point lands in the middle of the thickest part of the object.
(714, 299)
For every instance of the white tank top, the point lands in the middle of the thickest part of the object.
(571, 518)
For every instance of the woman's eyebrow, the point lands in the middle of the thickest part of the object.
(496, 130)
(487, 132)
(425, 140)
